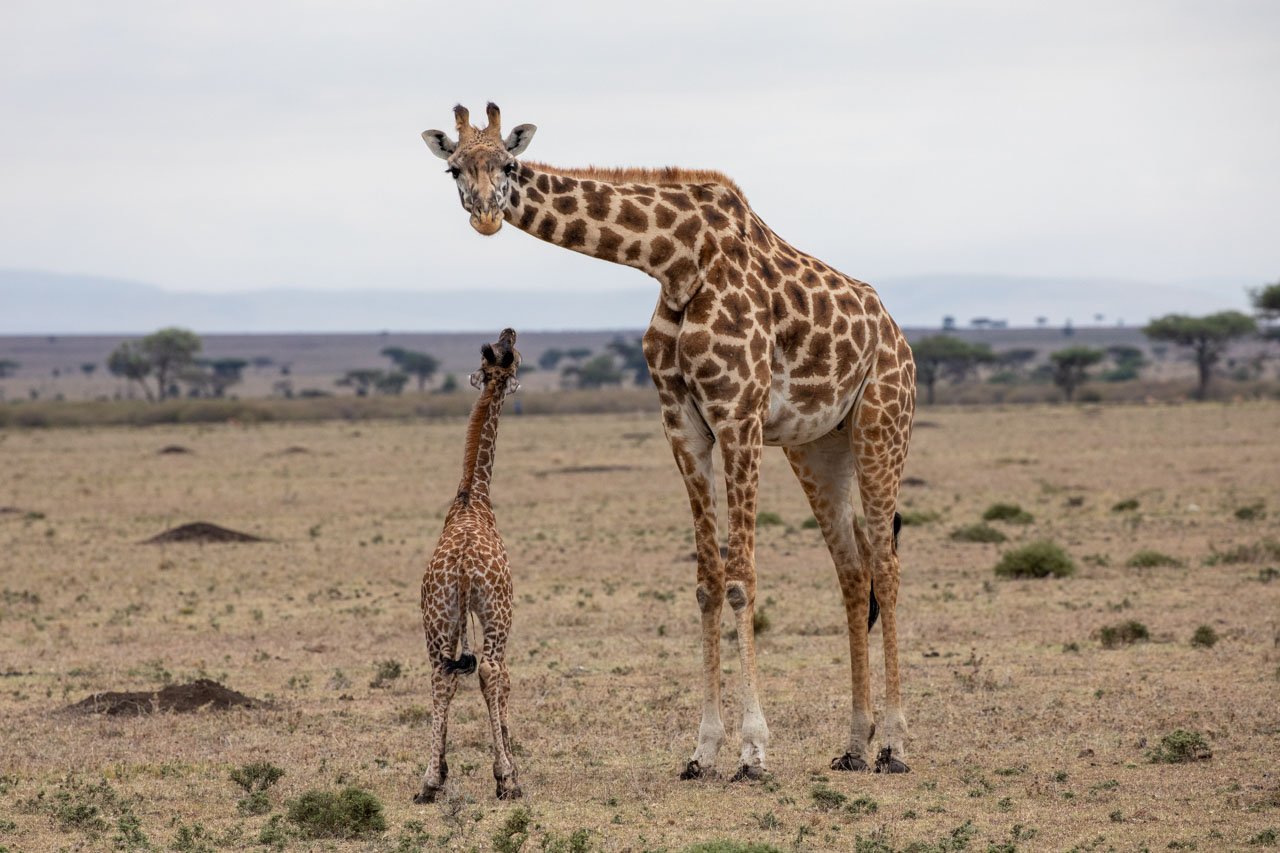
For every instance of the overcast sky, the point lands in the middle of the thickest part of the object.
(246, 145)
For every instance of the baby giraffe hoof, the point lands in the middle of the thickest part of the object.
(692, 770)
(426, 795)
(849, 761)
(886, 763)
(509, 792)
(749, 774)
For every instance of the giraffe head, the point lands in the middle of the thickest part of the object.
(481, 162)
(499, 365)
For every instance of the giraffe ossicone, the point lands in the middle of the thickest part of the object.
(469, 574)
(752, 343)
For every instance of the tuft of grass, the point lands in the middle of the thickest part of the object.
(1038, 560)
(352, 813)
(1127, 505)
(760, 621)
(1204, 637)
(1265, 838)
(827, 799)
(1179, 747)
(514, 831)
(413, 715)
(1123, 634)
(978, 533)
(387, 672)
(810, 523)
(731, 847)
(862, 805)
(1267, 575)
(1012, 513)
(1150, 559)
(768, 519)
(1253, 512)
(918, 517)
(1258, 552)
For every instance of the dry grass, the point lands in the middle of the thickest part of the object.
(1012, 741)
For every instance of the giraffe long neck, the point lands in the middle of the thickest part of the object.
(673, 228)
(482, 437)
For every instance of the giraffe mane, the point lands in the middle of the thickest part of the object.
(479, 414)
(639, 175)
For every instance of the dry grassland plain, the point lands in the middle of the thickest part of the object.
(1025, 731)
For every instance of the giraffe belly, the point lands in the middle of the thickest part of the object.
(788, 423)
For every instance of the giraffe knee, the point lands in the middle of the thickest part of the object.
(709, 598)
(737, 595)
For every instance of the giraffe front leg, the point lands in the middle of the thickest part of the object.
(741, 445)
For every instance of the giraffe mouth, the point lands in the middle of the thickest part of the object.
(486, 225)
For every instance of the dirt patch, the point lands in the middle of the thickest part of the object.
(201, 531)
(169, 449)
(587, 469)
(178, 698)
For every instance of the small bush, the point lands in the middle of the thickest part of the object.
(1267, 575)
(1037, 560)
(258, 776)
(827, 799)
(1252, 512)
(1258, 552)
(273, 834)
(1266, 838)
(978, 533)
(862, 805)
(810, 523)
(387, 672)
(325, 814)
(514, 832)
(1204, 637)
(1149, 559)
(769, 519)
(1011, 513)
(917, 517)
(760, 621)
(1127, 505)
(1123, 634)
(1179, 747)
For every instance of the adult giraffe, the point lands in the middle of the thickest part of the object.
(752, 343)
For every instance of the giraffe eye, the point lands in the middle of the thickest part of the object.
(510, 168)
(454, 172)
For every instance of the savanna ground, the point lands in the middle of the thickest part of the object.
(1026, 731)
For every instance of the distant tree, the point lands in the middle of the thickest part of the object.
(1016, 359)
(226, 372)
(128, 361)
(414, 363)
(578, 353)
(8, 367)
(1071, 367)
(393, 382)
(1098, 318)
(1042, 321)
(980, 322)
(1068, 330)
(262, 361)
(1208, 337)
(944, 355)
(599, 371)
(88, 367)
(169, 350)
(362, 379)
(632, 355)
(449, 385)
(1128, 362)
(549, 359)
(948, 323)
(1266, 305)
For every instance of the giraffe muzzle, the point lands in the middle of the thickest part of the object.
(486, 224)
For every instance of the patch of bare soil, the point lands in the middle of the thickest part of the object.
(178, 698)
(201, 531)
(169, 449)
(586, 469)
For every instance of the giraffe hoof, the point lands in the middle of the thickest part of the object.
(747, 773)
(692, 770)
(510, 792)
(886, 763)
(426, 795)
(849, 761)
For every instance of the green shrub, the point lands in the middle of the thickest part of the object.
(827, 799)
(731, 847)
(768, 519)
(1179, 747)
(862, 805)
(1267, 575)
(1204, 637)
(1123, 634)
(325, 814)
(1038, 560)
(1258, 552)
(273, 834)
(1011, 513)
(1149, 559)
(387, 672)
(1127, 505)
(1252, 512)
(915, 516)
(978, 533)
(514, 832)
(258, 776)
(1265, 838)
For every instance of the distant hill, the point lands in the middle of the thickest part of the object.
(39, 303)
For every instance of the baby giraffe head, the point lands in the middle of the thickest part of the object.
(481, 162)
(499, 365)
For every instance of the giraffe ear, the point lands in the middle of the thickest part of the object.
(512, 385)
(441, 146)
(519, 139)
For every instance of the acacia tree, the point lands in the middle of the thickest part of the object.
(1071, 367)
(940, 355)
(632, 355)
(420, 364)
(1266, 304)
(169, 351)
(1208, 337)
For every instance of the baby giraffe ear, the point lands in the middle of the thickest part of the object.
(519, 139)
(440, 145)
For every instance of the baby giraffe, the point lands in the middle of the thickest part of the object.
(469, 574)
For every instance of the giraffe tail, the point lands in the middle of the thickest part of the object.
(873, 612)
(466, 662)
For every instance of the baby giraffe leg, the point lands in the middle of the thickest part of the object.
(495, 687)
(442, 689)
